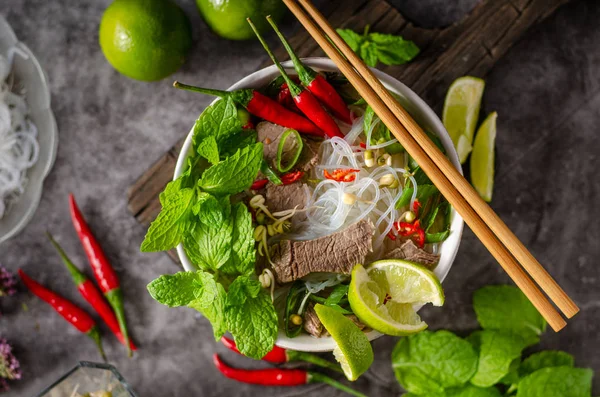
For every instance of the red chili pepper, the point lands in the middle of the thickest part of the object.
(90, 293)
(245, 118)
(409, 229)
(76, 316)
(259, 184)
(316, 83)
(278, 377)
(391, 236)
(363, 145)
(280, 355)
(261, 106)
(291, 177)
(341, 175)
(105, 275)
(416, 207)
(306, 102)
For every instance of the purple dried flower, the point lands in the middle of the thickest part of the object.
(9, 365)
(3, 385)
(8, 282)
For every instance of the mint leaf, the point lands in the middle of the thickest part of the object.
(181, 288)
(208, 149)
(214, 310)
(497, 350)
(336, 295)
(353, 39)
(209, 247)
(253, 324)
(557, 382)
(238, 141)
(168, 228)
(208, 210)
(429, 362)
(379, 47)
(242, 289)
(243, 254)
(545, 359)
(512, 377)
(506, 307)
(234, 174)
(219, 120)
(171, 189)
(393, 50)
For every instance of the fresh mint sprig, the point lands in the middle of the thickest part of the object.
(388, 49)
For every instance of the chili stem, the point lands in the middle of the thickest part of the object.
(294, 89)
(305, 74)
(294, 355)
(115, 298)
(208, 91)
(314, 377)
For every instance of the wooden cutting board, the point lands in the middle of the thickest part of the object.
(469, 47)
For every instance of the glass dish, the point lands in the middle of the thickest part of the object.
(29, 75)
(87, 377)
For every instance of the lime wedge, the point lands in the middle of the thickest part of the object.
(353, 350)
(383, 296)
(482, 159)
(461, 111)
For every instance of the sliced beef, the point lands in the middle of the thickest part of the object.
(312, 324)
(285, 197)
(336, 253)
(410, 252)
(269, 134)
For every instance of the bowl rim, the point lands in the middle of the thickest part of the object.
(306, 342)
(35, 190)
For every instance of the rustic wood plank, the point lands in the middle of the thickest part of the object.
(471, 46)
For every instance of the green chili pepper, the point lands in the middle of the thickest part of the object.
(293, 156)
(269, 173)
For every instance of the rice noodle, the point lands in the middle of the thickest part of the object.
(327, 212)
(19, 149)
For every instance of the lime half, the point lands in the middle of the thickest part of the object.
(482, 159)
(384, 295)
(461, 112)
(353, 350)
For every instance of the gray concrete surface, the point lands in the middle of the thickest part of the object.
(546, 91)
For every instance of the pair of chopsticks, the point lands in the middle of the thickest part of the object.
(512, 255)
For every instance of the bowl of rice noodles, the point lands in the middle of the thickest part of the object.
(325, 209)
(28, 133)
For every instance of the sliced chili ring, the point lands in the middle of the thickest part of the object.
(290, 146)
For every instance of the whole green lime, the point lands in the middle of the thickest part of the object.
(227, 18)
(145, 39)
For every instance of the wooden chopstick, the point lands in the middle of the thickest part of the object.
(436, 173)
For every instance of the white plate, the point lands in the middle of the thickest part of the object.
(29, 75)
(422, 114)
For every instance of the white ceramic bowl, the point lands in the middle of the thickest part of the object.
(29, 74)
(422, 114)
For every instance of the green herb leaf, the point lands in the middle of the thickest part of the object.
(236, 142)
(253, 325)
(497, 350)
(208, 149)
(464, 391)
(429, 362)
(353, 39)
(171, 189)
(209, 247)
(512, 377)
(219, 120)
(545, 359)
(393, 50)
(336, 295)
(168, 228)
(385, 48)
(241, 289)
(243, 254)
(214, 310)
(557, 382)
(208, 210)
(234, 174)
(436, 237)
(507, 308)
(181, 288)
